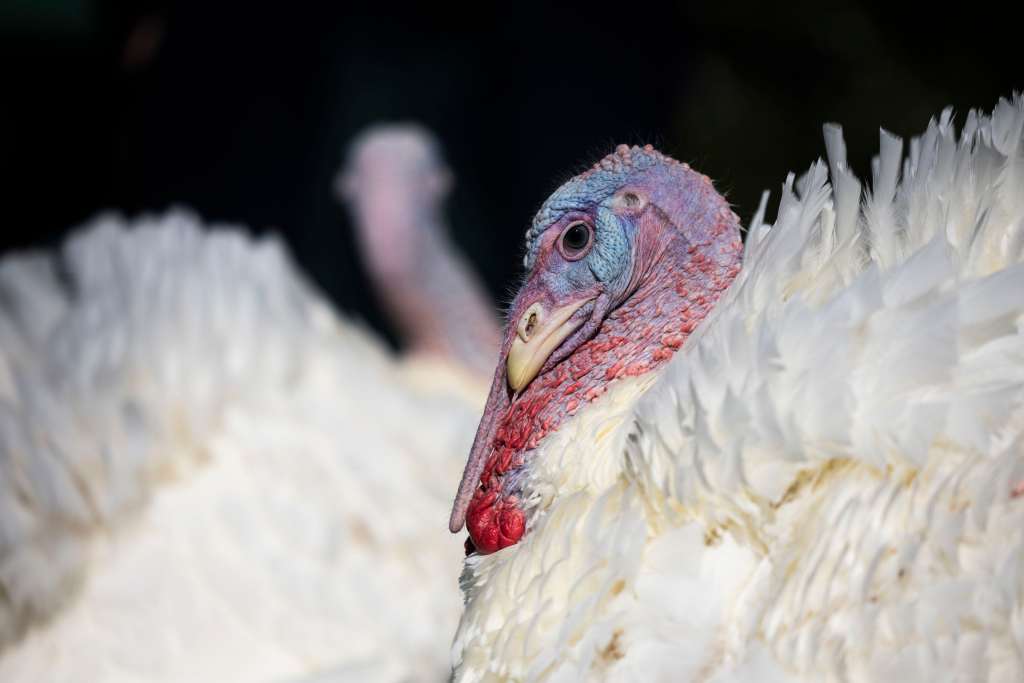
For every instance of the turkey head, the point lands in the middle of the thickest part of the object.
(623, 262)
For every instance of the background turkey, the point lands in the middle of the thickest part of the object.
(823, 483)
(207, 474)
(395, 183)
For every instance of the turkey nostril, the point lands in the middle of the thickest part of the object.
(530, 321)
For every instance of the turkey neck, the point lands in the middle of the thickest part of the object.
(437, 303)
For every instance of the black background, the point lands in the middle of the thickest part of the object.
(242, 111)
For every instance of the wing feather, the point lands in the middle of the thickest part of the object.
(867, 331)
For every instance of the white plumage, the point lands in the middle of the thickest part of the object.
(205, 474)
(826, 483)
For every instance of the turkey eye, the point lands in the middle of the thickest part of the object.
(575, 240)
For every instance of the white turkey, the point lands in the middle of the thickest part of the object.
(798, 459)
(208, 475)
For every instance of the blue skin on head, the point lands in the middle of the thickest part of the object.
(592, 195)
(585, 190)
(610, 255)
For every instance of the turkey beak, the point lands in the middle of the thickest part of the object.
(538, 334)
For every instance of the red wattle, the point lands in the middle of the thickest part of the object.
(495, 526)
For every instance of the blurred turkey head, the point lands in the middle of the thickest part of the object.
(394, 183)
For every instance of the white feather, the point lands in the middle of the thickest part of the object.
(205, 474)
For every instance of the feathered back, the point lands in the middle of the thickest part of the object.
(117, 358)
(837, 284)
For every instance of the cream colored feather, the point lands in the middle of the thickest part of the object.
(205, 474)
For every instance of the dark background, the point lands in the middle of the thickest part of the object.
(242, 112)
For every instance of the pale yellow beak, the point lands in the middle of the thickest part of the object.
(538, 334)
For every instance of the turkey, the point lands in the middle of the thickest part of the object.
(208, 474)
(795, 459)
(394, 183)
